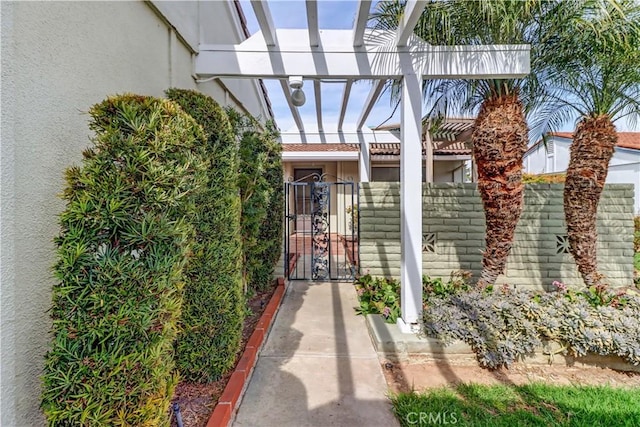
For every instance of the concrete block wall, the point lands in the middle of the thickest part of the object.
(453, 214)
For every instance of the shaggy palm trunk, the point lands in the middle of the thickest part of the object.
(499, 142)
(593, 144)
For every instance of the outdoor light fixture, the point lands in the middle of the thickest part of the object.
(297, 95)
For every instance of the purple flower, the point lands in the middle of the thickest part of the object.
(386, 312)
(559, 285)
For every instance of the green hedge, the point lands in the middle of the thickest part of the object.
(121, 251)
(261, 190)
(213, 310)
(271, 230)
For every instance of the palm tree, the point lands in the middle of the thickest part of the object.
(501, 134)
(594, 72)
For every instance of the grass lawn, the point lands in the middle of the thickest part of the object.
(527, 405)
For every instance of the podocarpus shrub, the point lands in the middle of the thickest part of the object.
(271, 229)
(213, 310)
(121, 251)
(260, 180)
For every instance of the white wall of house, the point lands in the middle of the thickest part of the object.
(554, 157)
(627, 173)
(624, 167)
(58, 59)
(448, 171)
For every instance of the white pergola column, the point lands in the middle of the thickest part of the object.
(411, 202)
(364, 166)
(429, 160)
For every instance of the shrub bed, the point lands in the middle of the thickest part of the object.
(504, 324)
(121, 252)
(213, 310)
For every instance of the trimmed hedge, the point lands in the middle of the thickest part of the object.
(261, 190)
(213, 310)
(121, 251)
(271, 230)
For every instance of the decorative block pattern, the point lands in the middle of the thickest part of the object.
(453, 213)
(429, 242)
(562, 245)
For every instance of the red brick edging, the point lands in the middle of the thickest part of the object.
(292, 263)
(231, 396)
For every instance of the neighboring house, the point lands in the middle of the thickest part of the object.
(338, 156)
(624, 167)
(58, 59)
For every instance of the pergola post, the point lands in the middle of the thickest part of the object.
(411, 201)
(364, 166)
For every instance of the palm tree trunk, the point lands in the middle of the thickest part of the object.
(593, 144)
(499, 142)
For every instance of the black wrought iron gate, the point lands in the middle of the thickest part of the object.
(321, 229)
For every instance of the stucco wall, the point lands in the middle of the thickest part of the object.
(453, 215)
(58, 59)
(448, 171)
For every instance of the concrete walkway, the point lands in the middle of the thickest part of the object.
(318, 367)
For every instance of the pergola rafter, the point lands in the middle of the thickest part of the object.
(365, 54)
(362, 14)
(412, 12)
(312, 23)
(373, 96)
(345, 100)
(318, 96)
(265, 21)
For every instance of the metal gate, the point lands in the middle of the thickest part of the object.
(321, 229)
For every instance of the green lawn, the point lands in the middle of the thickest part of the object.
(528, 405)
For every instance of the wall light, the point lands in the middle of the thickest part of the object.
(297, 95)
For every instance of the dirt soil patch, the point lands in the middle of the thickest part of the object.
(419, 375)
(196, 400)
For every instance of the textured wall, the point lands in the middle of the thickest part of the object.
(453, 216)
(58, 59)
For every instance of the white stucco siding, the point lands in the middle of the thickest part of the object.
(448, 171)
(535, 160)
(58, 59)
(562, 155)
(627, 174)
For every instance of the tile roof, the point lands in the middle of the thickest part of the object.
(625, 139)
(439, 147)
(320, 147)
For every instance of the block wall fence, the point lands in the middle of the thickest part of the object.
(454, 227)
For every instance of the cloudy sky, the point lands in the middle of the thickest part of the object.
(332, 14)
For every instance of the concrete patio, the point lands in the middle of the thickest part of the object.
(318, 366)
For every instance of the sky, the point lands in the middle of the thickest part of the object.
(332, 14)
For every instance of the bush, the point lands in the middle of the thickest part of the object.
(121, 251)
(556, 178)
(213, 311)
(271, 229)
(505, 324)
(636, 234)
(261, 191)
(379, 295)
